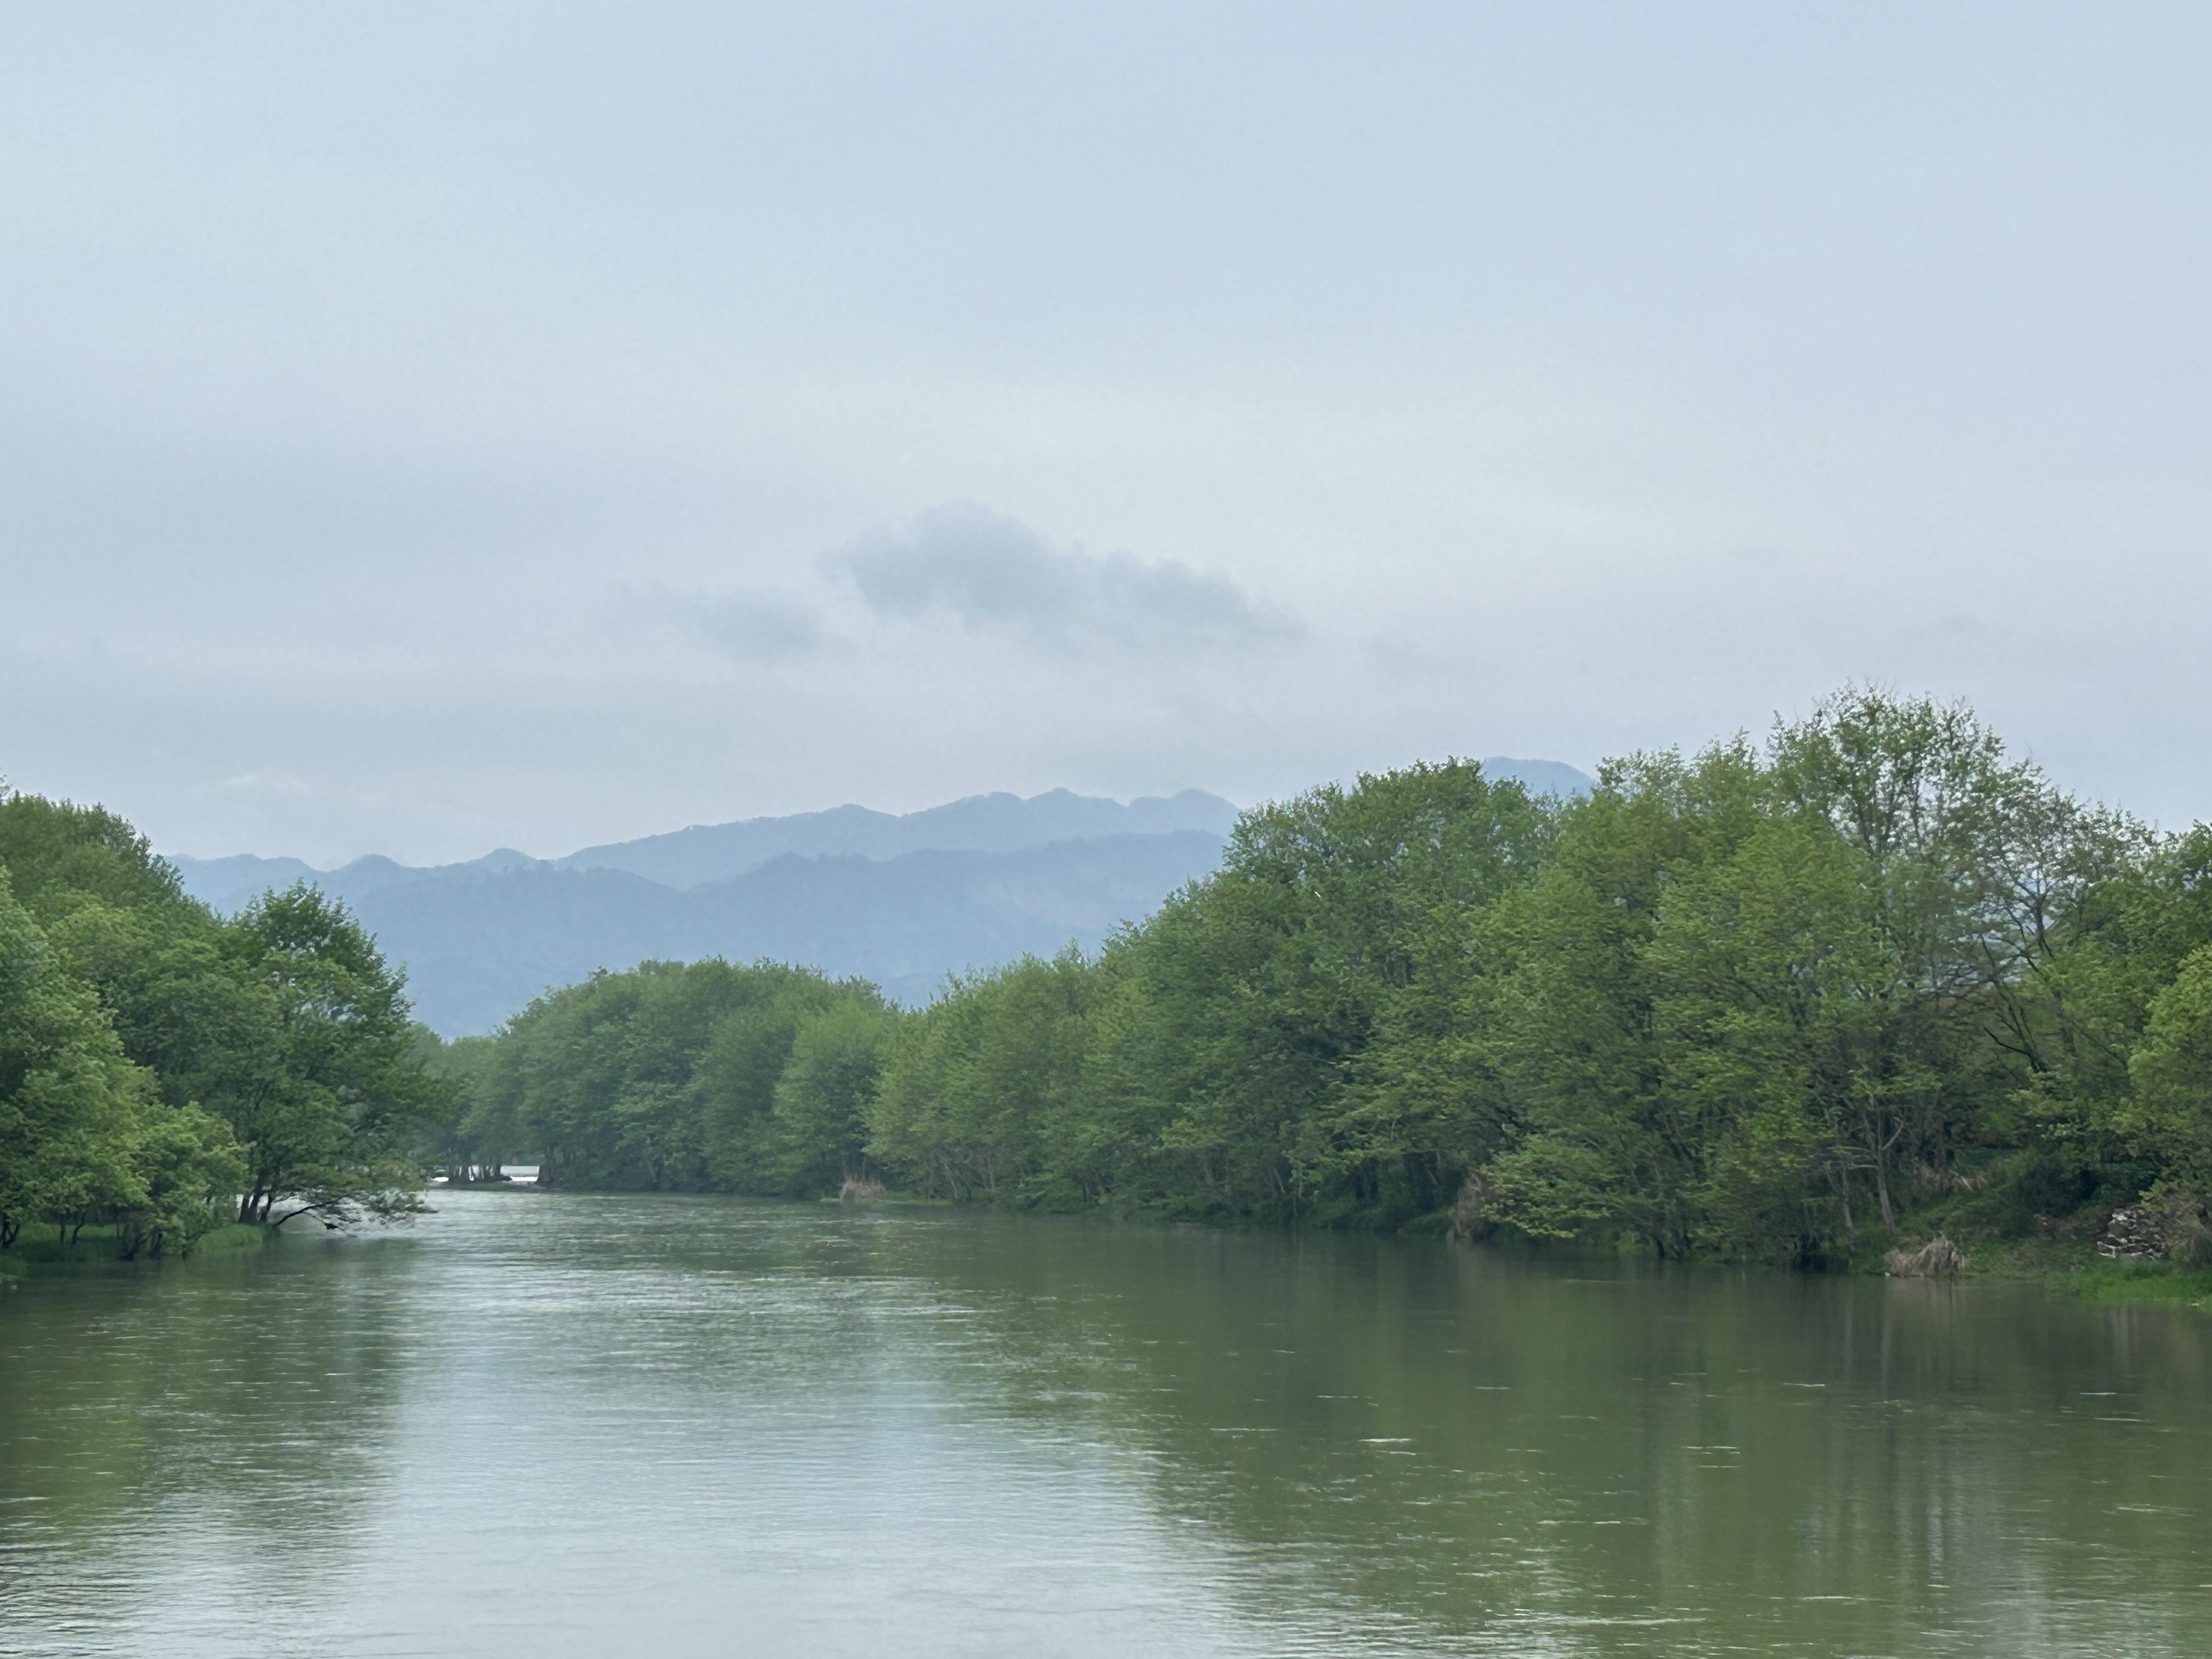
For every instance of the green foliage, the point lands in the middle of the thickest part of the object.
(1766, 1002)
(1305, 1037)
(829, 1082)
(970, 1089)
(1779, 1002)
(264, 1067)
(70, 1103)
(675, 1077)
(1762, 1002)
(1772, 1001)
(83, 1131)
(2170, 1115)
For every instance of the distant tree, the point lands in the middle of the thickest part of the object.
(828, 1083)
(969, 1088)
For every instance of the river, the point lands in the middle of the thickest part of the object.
(553, 1423)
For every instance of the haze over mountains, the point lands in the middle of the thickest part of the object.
(901, 899)
(980, 824)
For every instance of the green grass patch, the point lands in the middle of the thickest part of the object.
(43, 1245)
(2061, 1265)
(237, 1236)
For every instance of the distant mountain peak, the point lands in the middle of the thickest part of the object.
(1541, 777)
(997, 822)
(502, 858)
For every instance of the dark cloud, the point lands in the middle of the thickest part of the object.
(987, 569)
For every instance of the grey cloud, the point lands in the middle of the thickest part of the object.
(988, 569)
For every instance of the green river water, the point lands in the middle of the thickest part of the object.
(552, 1424)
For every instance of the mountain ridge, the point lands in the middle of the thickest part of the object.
(902, 899)
(692, 857)
(700, 852)
(479, 944)
(997, 823)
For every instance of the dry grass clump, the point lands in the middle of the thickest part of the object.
(860, 1192)
(1937, 1257)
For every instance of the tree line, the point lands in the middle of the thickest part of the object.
(1774, 1000)
(1782, 1000)
(164, 1071)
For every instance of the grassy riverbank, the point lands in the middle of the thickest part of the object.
(2075, 1271)
(43, 1243)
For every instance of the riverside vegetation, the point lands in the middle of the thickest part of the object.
(163, 1073)
(1802, 1001)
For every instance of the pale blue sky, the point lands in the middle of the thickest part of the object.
(450, 426)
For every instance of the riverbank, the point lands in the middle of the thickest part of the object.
(43, 1245)
(2082, 1273)
(2068, 1266)
(2064, 1267)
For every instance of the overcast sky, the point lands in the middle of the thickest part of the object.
(434, 428)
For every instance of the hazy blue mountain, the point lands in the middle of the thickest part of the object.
(230, 884)
(1541, 777)
(980, 824)
(902, 900)
(479, 942)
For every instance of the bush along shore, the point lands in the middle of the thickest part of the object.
(170, 1080)
(1869, 993)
